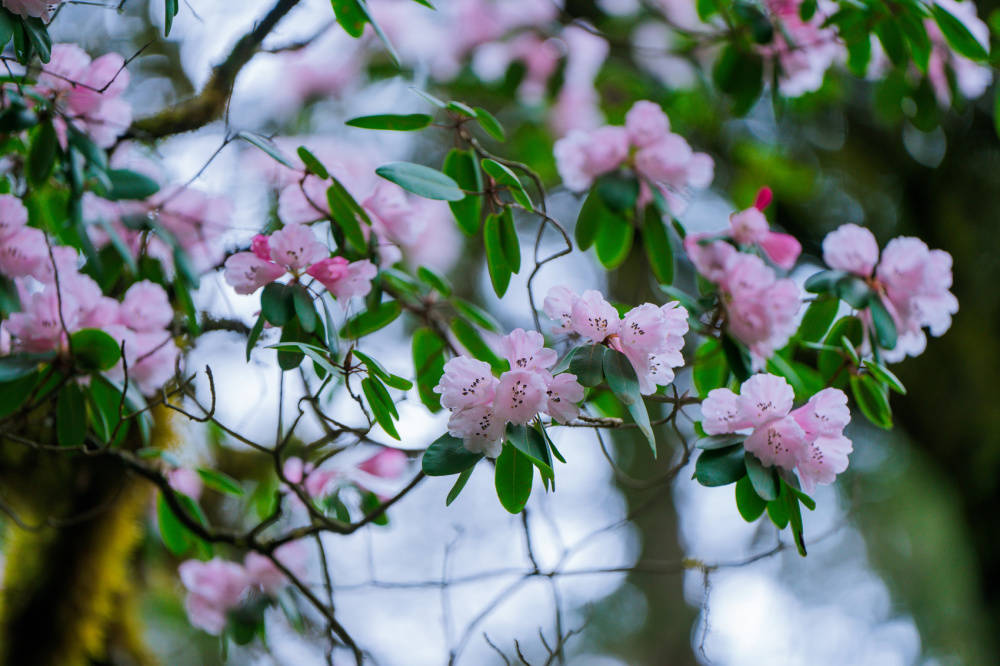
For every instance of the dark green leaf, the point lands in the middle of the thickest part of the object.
(351, 16)
(504, 177)
(623, 381)
(304, 308)
(460, 482)
(448, 455)
(777, 511)
(496, 258)
(593, 216)
(462, 167)
(884, 375)
(831, 363)
(794, 517)
(94, 349)
(514, 475)
(919, 42)
(531, 443)
(477, 315)
(255, 332)
(824, 281)
(171, 7)
(130, 185)
(817, 319)
(763, 479)
(399, 123)
(434, 280)
(71, 415)
(618, 191)
(347, 215)
(659, 250)
(381, 404)
(14, 392)
(469, 338)
(588, 365)
(312, 163)
(42, 155)
(748, 503)
(428, 365)
(720, 467)
(20, 365)
(421, 180)
(891, 37)
(490, 124)
(175, 535)
(713, 442)
(741, 75)
(277, 304)
(614, 242)
(737, 358)
(959, 37)
(710, 369)
(290, 356)
(509, 241)
(873, 400)
(371, 320)
(854, 291)
(885, 327)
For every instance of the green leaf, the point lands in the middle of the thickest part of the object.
(737, 358)
(496, 258)
(741, 75)
(873, 400)
(777, 511)
(817, 319)
(255, 332)
(42, 154)
(712, 442)
(428, 366)
(460, 482)
(624, 383)
(462, 167)
(13, 393)
(917, 40)
(618, 192)
(347, 215)
(824, 281)
(435, 280)
(531, 443)
(509, 241)
(371, 320)
(7, 25)
(289, 355)
(884, 375)
(38, 35)
(94, 349)
(351, 16)
(750, 506)
(20, 365)
(830, 363)
(891, 37)
(760, 27)
(379, 33)
(174, 534)
(265, 144)
(170, 9)
(277, 304)
(763, 479)
(504, 177)
(614, 242)
(469, 338)
(588, 365)
(854, 291)
(514, 476)
(421, 180)
(659, 250)
(71, 415)
(399, 123)
(489, 123)
(882, 322)
(304, 308)
(594, 215)
(220, 481)
(381, 404)
(130, 185)
(959, 37)
(477, 315)
(794, 517)
(312, 163)
(710, 369)
(720, 467)
(369, 503)
(448, 455)
(461, 108)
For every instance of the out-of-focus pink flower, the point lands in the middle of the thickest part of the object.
(146, 307)
(214, 588)
(594, 318)
(23, 253)
(151, 358)
(185, 481)
(36, 8)
(646, 123)
(264, 574)
(345, 282)
(750, 227)
(851, 248)
(13, 216)
(526, 350)
(808, 50)
(582, 156)
(246, 272)
(558, 306)
(826, 414)
(386, 464)
(520, 395)
(563, 393)
(971, 78)
(466, 382)
(577, 105)
(479, 428)
(38, 327)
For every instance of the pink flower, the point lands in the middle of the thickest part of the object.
(246, 272)
(821, 460)
(479, 428)
(581, 157)
(344, 280)
(386, 464)
(652, 338)
(646, 123)
(709, 258)
(13, 216)
(152, 358)
(214, 588)
(38, 327)
(466, 382)
(23, 253)
(558, 306)
(778, 442)
(765, 398)
(722, 412)
(520, 395)
(392, 213)
(526, 350)
(261, 247)
(296, 247)
(36, 8)
(851, 248)
(971, 78)
(185, 481)
(807, 52)
(826, 414)
(749, 227)
(146, 307)
(263, 574)
(563, 395)
(594, 318)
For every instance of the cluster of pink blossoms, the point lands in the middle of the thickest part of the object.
(295, 249)
(218, 586)
(802, 50)
(660, 158)
(971, 78)
(386, 465)
(912, 281)
(809, 439)
(651, 336)
(482, 405)
(139, 321)
(86, 93)
(760, 307)
(35, 8)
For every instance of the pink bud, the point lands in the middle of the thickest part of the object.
(764, 198)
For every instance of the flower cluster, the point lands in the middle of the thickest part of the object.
(35, 8)
(911, 280)
(651, 336)
(87, 94)
(218, 586)
(386, 465)
(295, 249)
(660, 158)
(58, 300)
(809, 439)
(971, 78)
(801, 50)
(482, 405)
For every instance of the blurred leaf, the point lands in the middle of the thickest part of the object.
(872, 399)
(71, 415)
(882, 322)
(220, 481)
(817, 319)
(428, 365)
(399, 123)
(94, 349)
(381, 404)
(740, 75)
(587, 363)
(130, 185)
(509, 241)
(614, 242)
(277, 304)
(267, 146)
(594, 215)
(469, 338)
(659, 251)
(623, 381)
(42, 154)
(421, 180)
(763, 479)
(490, 124)
(884, 375)
(710, 369)
(312, 163)
(460, 482)
(462, 167)
(959, 37)
(618, 191)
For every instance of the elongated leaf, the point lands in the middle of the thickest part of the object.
(614, 242)
(130, 185)
(304, 308)
(959, 37)
(763, 479)
(514, 475)
(593, 216)
(312, 163)
(448, 455)
(817, 319)
(428, 366)
(748, 503)
(372, 320)
(587, 364)
(477, 315)
(720, 467)
(255, 332)
(885, 327)
(460, 482)
(421, 180)
(71, 415)
(347, 215)
(794, 517)
(619, 192)
(489, 123)
(351, 16)
(399, 123)
(503, 176)
(710, 369)
(659, 251)
(884, 375)
(509, 241)
(171, 7)
(469, 338)
(531, 443)
(381, 405)
(42, 155)
(873, 400)
(463, 168)
(277, 304)
(623, 381)
(220, 481)
(496, 258)
(267, 146)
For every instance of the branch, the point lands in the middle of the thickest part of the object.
(211, 102)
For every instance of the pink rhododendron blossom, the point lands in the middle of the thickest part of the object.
(13, 216)
(466, 382)
(345, 281)
(577, 105)
(558, 306)
(185, 481)
(582, 156)
(38, 327)
(87, 93)
(386, 464)
(265, 575)
(151, 358)
(749, 227)
(525, 350)
(520, 395)
(809, 439)
(479, 428)
(36, 8)
(146, 307)
(646, 123)
(23, 253)
(296, 247)
(851, 248)
(564, 394)
(802, 50)
(971, 78)
(246, 272)
(594, 318)
(214, 588)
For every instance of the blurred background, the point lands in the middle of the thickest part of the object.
(904, 551)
